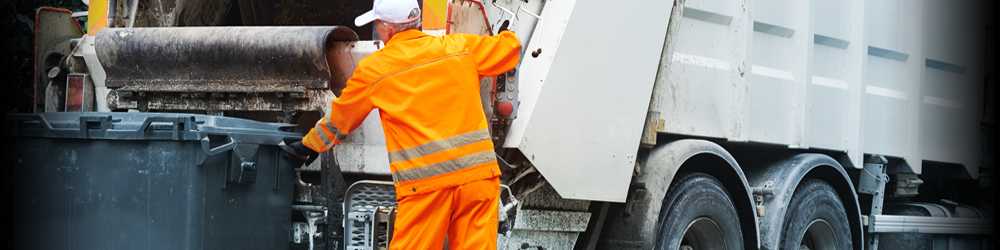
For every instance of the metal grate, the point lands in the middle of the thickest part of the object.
(362, 201)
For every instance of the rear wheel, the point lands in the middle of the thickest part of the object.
(816, 219)
(698, 214)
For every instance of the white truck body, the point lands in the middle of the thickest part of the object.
(618, 102)
(894, 78)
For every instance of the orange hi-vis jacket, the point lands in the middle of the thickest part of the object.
(427, 91)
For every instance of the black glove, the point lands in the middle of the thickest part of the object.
(504, 26)
(298, 152)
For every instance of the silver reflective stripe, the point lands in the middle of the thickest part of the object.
(323, 135)
(444, 167)
(336, 132)
(438, 145)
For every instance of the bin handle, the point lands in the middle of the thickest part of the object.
(175, 124)
(206, 145)
(25, 118)
(103, 122)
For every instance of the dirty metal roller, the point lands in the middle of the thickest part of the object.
(225, 68)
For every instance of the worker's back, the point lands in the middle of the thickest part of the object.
(427, 91)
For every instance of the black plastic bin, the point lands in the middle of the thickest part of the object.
(148, 181)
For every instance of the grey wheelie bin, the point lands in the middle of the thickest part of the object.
(148, 181)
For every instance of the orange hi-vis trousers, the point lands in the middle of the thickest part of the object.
(466, 214)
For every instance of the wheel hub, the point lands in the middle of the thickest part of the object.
(819, 236)
(703, 233)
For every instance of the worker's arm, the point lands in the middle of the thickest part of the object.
(346, 113)
(494, 54)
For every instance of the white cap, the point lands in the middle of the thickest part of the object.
(393, 11)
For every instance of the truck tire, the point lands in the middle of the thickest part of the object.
(698, 214)
(816, 219)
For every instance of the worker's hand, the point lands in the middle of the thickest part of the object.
(505, 26)
(298, 152)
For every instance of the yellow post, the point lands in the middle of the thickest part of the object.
(97, 16)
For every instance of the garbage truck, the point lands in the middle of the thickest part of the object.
(682, 124)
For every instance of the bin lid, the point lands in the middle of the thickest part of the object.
(146, 126)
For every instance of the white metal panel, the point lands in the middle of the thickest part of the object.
(874, 77)
(581, 119)
(532, 72)
(858, 61)
(833, 113)
(950, 105)
(700, 89)
(892, 79)
(778, 62)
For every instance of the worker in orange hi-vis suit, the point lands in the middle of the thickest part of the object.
(440, 152)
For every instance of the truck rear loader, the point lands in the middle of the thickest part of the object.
(682, 124)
